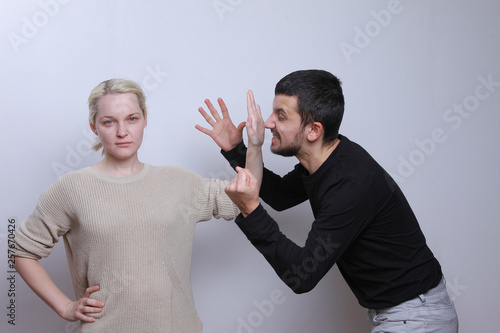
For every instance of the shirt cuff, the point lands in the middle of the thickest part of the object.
(236, 156)
(257, 224)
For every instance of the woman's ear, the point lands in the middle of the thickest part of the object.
(92, 127)
(315, 131)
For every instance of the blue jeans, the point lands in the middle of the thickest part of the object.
(428, 313)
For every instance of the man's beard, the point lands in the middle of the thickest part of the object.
(292, 149)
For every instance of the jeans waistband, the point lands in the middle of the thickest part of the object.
(441, 285)
(422, 297)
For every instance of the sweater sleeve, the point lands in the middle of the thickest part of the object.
(213, 200)
(37, 235)
(278, 192)
(339, 221)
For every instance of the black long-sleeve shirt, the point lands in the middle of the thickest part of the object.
(362, 222)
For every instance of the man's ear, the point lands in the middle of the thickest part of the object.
(92, 127)
(314, 131)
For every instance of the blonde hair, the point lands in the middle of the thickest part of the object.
(113, 86)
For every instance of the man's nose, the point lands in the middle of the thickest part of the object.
(269, 123)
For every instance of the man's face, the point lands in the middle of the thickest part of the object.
(285, 125)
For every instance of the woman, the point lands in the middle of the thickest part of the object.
(127, 227)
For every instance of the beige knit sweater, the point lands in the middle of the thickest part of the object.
(133, 236)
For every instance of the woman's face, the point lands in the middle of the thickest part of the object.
(120, 124)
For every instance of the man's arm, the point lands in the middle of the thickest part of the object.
(336, 226)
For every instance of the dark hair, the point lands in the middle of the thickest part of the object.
(320, 98)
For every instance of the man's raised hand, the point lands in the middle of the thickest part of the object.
(223, 132)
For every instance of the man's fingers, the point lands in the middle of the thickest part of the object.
(206, 116)
(203, 130)
(212, 109)
(241, 126)
(223, 108)
(243, 177)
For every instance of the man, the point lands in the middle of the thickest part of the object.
(363, 222)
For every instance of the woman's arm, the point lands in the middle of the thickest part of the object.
(244, 188)
(40, 282)
(255, 130)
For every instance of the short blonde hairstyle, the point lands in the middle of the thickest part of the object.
(113, 86)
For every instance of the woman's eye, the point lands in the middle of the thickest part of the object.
(132, 119)
(108, 122)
